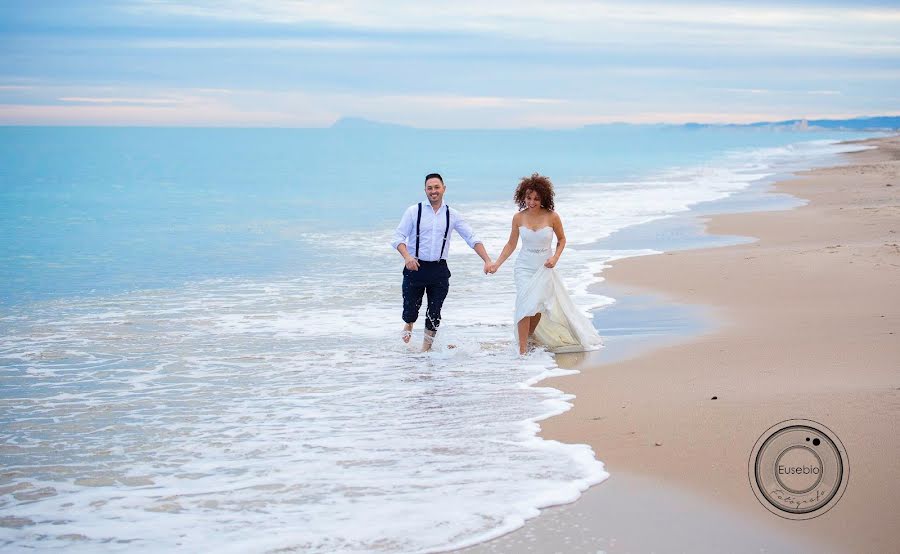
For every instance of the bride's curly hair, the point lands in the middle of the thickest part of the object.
(539, 184)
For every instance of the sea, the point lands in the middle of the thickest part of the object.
(200, 327)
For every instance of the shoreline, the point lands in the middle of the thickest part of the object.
(805, 315)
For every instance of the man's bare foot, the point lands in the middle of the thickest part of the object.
(406, 334)
(428, 340)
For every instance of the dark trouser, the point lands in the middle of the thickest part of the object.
(432, 278)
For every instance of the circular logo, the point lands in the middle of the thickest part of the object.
(798, 469)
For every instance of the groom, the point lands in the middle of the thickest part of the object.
(423, 239)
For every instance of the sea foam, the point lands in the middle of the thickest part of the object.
(261, 414)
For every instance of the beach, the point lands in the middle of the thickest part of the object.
(207, 338)
(188, 373)
(806, 328)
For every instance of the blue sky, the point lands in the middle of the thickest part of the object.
(462, 64)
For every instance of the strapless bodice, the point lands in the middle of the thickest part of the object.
(536, 242)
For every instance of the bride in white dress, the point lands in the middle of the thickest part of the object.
(544, 309)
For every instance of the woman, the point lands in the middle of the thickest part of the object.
(543, 307)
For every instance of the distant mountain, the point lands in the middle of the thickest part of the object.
(358, 123)
(887, 123)
(875, 123)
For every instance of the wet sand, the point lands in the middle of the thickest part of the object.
(808, 327)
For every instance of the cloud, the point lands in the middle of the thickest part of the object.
(748, 90)
(474, 14)
(451, 102)
(447, 65)
(254, 43)
(763, 91)
(120, 115)
(114, 100)
(751, 25)
(68, 105)
(120, 105)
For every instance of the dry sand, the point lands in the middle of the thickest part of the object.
(810, 329)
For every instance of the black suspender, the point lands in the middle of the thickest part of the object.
(418, 221)
(446, 231)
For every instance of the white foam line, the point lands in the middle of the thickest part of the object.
(255, 385)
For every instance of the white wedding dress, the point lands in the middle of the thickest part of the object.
(563, 328)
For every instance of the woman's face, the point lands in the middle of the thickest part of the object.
(532, 199)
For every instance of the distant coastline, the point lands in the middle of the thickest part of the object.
(864, 123)
(881, 123)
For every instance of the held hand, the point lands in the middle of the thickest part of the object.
(412, 264)
(494, 267)
(551, 262)
(488, 268)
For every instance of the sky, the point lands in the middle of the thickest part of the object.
(460, 64)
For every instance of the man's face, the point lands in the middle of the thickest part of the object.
(434, 189)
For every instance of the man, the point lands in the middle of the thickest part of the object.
(423, 239)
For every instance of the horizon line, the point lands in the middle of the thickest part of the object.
(362, 122)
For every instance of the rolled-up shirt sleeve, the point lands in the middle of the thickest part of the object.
(465, 231)
(404, 230)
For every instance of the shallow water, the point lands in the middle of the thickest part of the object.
(278, 409)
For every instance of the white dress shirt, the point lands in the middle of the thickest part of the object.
(431, 231)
